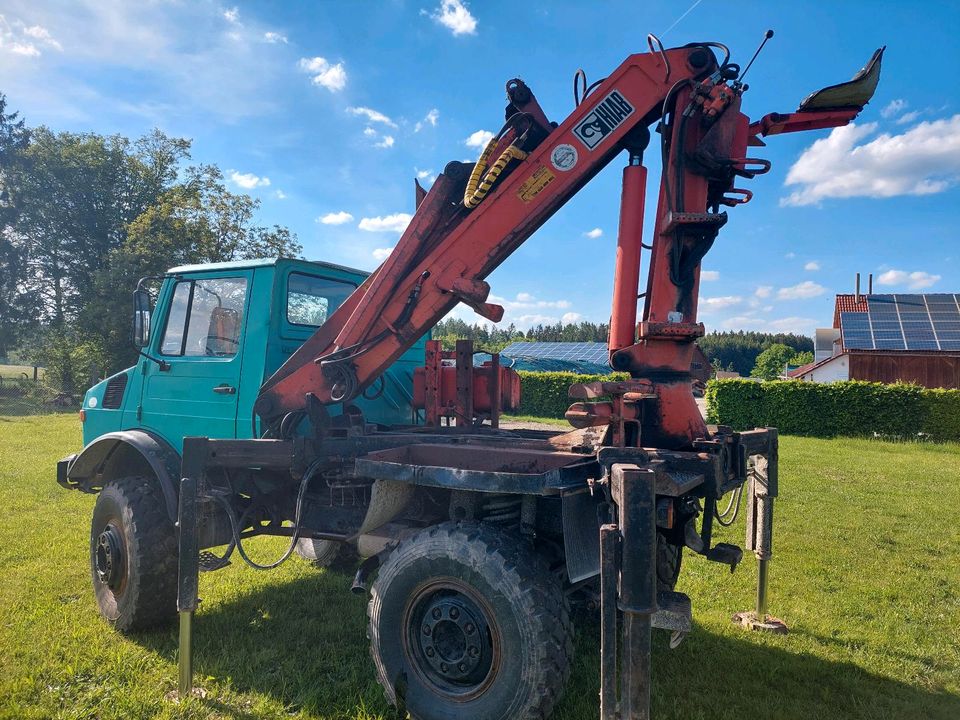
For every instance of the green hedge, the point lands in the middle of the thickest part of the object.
(843, 408)
(546, 394)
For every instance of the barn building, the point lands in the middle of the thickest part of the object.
(889, 338)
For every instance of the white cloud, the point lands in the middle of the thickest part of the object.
(371, 115)
(279, 194)
(231, 15)
(431, 119)
(248, 181)
(478, 139)
(274, 37)
(423, 174)
(709, 275)
(381, 254)
(790, 255)
(196, 77)
(388, 223)
(751, 321)
(570, 318)
(593, 234)
(526, 301)
(335, 218)
(42, 35)
(453, 14)
(908, 117)
(721, 303)
(369, 132)
(26, 41)
(801, 291)
(763, 291)
(894, 107)
(917, 280)
(385, 142)
(921, 161)
(812, 266)
(331, 76)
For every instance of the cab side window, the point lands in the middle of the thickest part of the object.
(311, 300)
(205, 318)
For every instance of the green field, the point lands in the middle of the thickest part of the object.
(866, 573)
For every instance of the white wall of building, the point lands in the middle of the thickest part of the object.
(832, 371)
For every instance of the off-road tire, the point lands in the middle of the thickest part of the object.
(669, 559)
(320, 553)
(147, 595)
(524, 610)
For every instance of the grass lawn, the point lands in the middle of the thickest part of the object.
(866, 572)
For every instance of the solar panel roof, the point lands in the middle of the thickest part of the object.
(591, 352)
(904, 322)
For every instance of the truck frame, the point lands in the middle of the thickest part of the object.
(480, 537)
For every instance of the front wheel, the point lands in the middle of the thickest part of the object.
(467, 623)
(133, 555)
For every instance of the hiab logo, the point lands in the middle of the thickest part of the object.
(603, 120)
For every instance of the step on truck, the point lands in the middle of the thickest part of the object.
(295, 399)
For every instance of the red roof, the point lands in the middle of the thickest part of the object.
(797, 372)
(848, 303)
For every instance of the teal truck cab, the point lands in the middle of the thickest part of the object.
(207, 344)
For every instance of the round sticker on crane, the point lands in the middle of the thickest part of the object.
(564, 157)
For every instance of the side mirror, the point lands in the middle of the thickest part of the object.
(141, 318)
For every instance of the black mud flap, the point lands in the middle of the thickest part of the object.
(581, 535)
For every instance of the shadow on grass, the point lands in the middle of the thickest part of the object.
(304, 644)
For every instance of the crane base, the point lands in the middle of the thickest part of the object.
(749, 620)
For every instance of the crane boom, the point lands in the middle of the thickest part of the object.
(474, 217)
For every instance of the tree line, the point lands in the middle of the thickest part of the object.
(83, 216)
(734, 351)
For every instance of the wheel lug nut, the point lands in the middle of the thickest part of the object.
(454, 613)
(429, 652)
(472, 651)
(462, 667)
(468, 627)
(426, 630)
(436, 613)
(443, 667)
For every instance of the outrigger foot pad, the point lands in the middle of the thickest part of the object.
(770, 624)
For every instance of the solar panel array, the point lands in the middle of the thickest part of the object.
(904, 322)
(592, 352)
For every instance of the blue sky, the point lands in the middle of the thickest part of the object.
(327, 111)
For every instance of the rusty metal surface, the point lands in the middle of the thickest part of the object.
(475, 467)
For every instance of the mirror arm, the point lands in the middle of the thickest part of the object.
(163, 364)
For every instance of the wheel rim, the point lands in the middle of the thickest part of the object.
(451, 639)
(109, 558)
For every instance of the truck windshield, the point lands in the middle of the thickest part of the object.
(311, 299)
(205, 317)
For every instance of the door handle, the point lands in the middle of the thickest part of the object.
(225, 390)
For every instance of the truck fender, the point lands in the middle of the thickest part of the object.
(127, 452)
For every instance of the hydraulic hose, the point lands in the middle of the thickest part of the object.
(235, 524)
(478, 188)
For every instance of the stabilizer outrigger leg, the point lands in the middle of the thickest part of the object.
(189, 562)
(761, 492)
(629, 549)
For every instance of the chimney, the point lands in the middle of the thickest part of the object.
(857, 296)
(870, 284)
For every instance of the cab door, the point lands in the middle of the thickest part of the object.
(194, 391)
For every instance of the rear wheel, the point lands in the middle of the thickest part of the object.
(669, 558)
(133, 555)
(467, 623)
